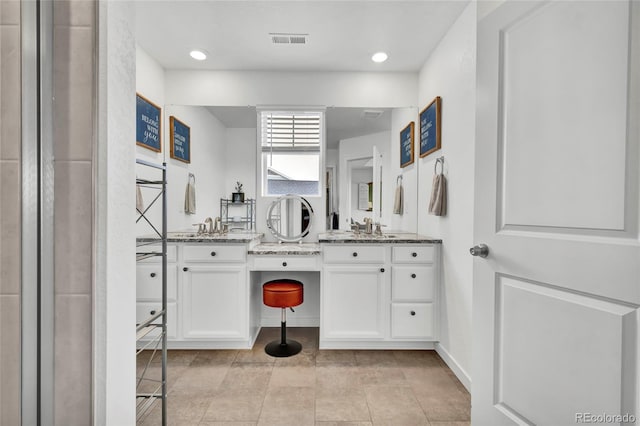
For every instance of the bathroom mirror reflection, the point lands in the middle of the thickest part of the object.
(289, 218)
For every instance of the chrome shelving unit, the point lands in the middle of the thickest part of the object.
(157, 321)
(246, 214)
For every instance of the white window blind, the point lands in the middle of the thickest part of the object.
(290, 131)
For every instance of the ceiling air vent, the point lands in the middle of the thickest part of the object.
(371, 114)
(286, 38)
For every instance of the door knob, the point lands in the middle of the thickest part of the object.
(480, 250)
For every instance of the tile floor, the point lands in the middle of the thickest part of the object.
(315, 387)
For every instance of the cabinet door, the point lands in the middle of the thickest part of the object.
(214, 302)
(353, 302)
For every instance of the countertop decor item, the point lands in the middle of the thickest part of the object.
(238, 196)
(430, 119)
(148, 124)
(180, 140)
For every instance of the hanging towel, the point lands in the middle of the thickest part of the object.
(438, 202)
(190, 195)
(398, 201)
(139, 200)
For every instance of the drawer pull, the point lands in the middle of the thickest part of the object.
(355, 254)
(153, 275)
(381, 269)
(284, 263)
(152, 312)
(413, 313)
(213, 253)
(414, 254)
(413, 275)
(185, 269)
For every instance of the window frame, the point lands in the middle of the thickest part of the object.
(264, 168)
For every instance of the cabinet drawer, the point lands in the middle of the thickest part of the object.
(143, 311)
(285, 263)
(149, 281)
(171, 253)
(414, 253)
(217, 253)
(412, 320)
(412, 283)
(357, 253)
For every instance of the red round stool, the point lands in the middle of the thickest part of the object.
(283, 294)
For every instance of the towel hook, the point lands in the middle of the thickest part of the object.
(435, 166)
(192, 176)
(399, 180)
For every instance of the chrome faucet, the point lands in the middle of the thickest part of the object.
(210, 222)
(368, 225)
(378, 231)
(355, 227)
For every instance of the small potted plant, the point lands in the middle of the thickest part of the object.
(238, 196)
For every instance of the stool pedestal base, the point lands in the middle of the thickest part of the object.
(280, 350)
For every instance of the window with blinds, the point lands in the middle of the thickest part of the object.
(291, 144)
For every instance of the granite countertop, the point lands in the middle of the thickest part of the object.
(286, 249)
(346, 237)
(192, 237)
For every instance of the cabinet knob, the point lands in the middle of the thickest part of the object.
(355, 254)
(413, 275)
(284, 263)
(185, 269)
(381, 269)
(413, 313)
(153, 274)
(213, 253)
(414, 254)
(152, 312)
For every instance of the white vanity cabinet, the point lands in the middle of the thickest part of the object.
(149, 289)
(354, 280)
(379, 296)
(214, 292)
(207, 294)
(413, 291)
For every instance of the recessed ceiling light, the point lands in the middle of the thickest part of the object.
(379, 57)
(198, 55)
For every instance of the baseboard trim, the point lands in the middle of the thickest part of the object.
(454, 366)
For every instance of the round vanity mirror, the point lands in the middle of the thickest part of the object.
(289, 218)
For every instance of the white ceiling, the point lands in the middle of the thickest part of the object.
(343, 34)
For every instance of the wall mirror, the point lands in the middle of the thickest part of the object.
(289, 218)
(351, 133)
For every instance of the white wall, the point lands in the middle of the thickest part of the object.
(449, 72)
(242, 88)
(408, 221)
(115, 292)
(208, 155)
(208, 165)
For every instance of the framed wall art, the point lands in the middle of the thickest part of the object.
(148, 124)
(407, 145)
(430, 127)
(180, 140)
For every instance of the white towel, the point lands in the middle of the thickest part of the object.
(190, 197)
(139, 200)
(398, 202)
(438, 202)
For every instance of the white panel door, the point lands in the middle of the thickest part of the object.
(555, 302)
